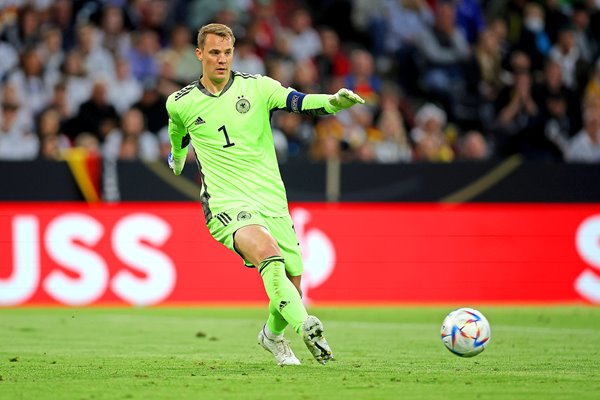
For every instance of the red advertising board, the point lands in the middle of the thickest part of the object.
(161, 253)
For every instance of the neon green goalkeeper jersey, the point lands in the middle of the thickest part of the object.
(231, 135)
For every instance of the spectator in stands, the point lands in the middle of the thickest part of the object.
(472, 146)
(245, 58)
(592, 89)
(403, 22)
(487, 55)
(124, 90)
(367, 17)
(429, 137)
(554, 18)
(393, 146)
(114, 36)
(88, 142)
(293, 136)
(180, 54)
(155, 16)
(489, 69)
(97, 60)
(327, 144)
(332, 64)
(469, 17)
(512, 12)
(61, 14)
(50, 50)
(306, 77)
(166, 82)
(264, 27)
(9, 57)
(593, 10)
(585, 145)
(360, 133)
(96, 115)
(305, 43)
(552, 85)
(445, 50)
(131, 141)
(77, 83)
(499, 29)
(200, 12)
(281, 58)
(29, 82)
(557, 126)
(533, 40)
(362, 79)
(24, 33)
(516, 112)
(144, 65)
(152, 105)
(568, 56)
(584, 42)
(53, 142)
(60, 103)
(17, 142)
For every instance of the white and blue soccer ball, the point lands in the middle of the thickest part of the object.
(466, 332)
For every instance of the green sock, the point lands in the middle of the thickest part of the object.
(276, 323)
(282, 292)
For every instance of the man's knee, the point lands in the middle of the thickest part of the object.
(255, 243)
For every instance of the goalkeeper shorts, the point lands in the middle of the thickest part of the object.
(223, 226)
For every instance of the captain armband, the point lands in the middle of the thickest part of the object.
(294, 101)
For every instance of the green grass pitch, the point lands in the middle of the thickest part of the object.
(211, 353)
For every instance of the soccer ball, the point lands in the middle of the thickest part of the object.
(466, 332)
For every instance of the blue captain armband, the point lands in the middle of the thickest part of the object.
(294, 101)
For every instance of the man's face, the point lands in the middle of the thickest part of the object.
(216, 57)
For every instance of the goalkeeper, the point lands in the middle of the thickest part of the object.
(225, 115)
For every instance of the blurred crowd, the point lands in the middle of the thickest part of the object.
(443, 80)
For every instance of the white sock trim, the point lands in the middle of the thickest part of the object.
(269, 334)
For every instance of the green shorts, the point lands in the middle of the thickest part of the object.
(223, 226)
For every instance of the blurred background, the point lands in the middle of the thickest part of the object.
(467, 101)
(452, 89)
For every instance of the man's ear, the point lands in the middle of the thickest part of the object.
(199, 54)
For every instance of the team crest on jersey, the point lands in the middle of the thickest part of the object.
(244, 216)
(243, 105)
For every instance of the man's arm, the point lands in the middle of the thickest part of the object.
(179, 138)
(315, 104)
(280, 98)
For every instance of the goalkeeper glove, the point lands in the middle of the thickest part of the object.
(176, 164)
(343, 99)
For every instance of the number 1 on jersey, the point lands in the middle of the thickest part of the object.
(228, 143)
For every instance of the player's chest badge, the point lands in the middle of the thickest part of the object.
(243, 105)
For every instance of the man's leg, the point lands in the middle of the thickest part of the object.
(257, 246)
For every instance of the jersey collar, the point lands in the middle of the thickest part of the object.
(204, 90)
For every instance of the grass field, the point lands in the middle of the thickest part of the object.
(209, 353)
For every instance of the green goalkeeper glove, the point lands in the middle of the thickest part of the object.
(176, 164)
(343, 99)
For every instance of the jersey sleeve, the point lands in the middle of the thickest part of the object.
(178, 134)
(281, 98)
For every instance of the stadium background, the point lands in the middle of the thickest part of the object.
(479, 167)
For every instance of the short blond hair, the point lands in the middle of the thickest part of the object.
(216, 29)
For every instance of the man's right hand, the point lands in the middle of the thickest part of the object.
(176, 165)
(343, 99)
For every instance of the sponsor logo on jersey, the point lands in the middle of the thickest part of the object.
(199, 121)
(243, 105)
(243, 216)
